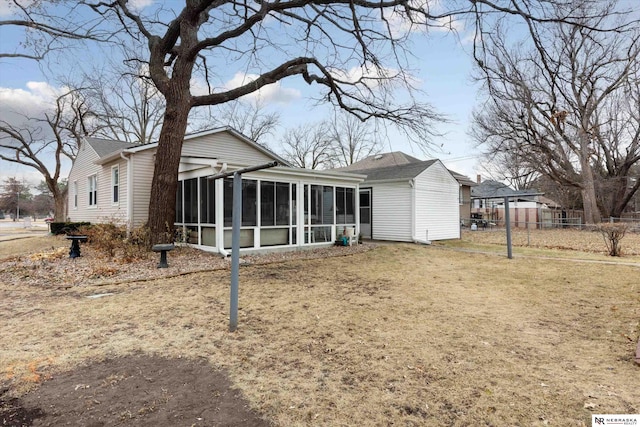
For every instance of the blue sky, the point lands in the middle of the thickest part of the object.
(442, 70)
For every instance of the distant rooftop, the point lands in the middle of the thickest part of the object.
(493, 189)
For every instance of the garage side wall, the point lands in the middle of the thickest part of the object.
(437, 204)
(391, 211)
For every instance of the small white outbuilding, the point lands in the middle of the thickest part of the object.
(413, 202)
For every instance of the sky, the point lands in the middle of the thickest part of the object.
(442, 70)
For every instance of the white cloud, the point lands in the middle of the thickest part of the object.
(17, 104)
(7, 7)
(139, 4)
(400, 24)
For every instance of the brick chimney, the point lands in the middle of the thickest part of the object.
(479, 179)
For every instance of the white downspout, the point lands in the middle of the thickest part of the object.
(129, 190)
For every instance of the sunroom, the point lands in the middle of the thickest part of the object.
(282, 208)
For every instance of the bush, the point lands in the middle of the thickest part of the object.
(105, 237)
(137, 244)
(612, 233)
(67, 227)
(113, 240)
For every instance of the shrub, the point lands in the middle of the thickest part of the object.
(105, 237)
(137, 245)
(612, 233)
(67, 227)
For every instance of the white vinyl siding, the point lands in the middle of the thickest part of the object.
(82, 167)
(391, 211)
(85, 166)
(224, 146)
(437, 195)
(142, 177)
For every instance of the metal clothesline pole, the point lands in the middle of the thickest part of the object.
(236, 222)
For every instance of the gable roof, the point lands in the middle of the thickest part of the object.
(396, 173)
(104, 147)
(493, 189)
(396, 159)
(111, 149)
(382, 160)
(463, 179)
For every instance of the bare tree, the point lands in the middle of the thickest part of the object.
(355, 53)
(202, 33)
(42, 143)
(555, 103)
(308, 146)
(127, 106)
(352, 139)
(509, 166)
(47, 33)
(250, 118)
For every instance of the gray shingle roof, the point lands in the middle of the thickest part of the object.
(395, 159)
(463, 179)
(104, 147)
(382, 160)
(400, 172)
(489, 189)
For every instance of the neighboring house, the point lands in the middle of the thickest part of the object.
(428, 207)
(525, 206)
(283, 207)
(406, 199)
(465, 194)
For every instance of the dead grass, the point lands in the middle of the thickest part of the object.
(568, 242)
(401, 335)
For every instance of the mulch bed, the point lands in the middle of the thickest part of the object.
(52, 267)
(133, 391)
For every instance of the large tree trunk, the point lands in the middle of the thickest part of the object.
(59, 199)
(60, 203)
(162, 207)
(588, 190)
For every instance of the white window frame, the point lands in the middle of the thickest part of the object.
(75, 194)
(92, 194)
(115, 185)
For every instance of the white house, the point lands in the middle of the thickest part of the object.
(283, 207)
(407, 199)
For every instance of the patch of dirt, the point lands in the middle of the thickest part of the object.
(133, 391)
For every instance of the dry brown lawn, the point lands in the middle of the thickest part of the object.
(399, 335)
(560, 242)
